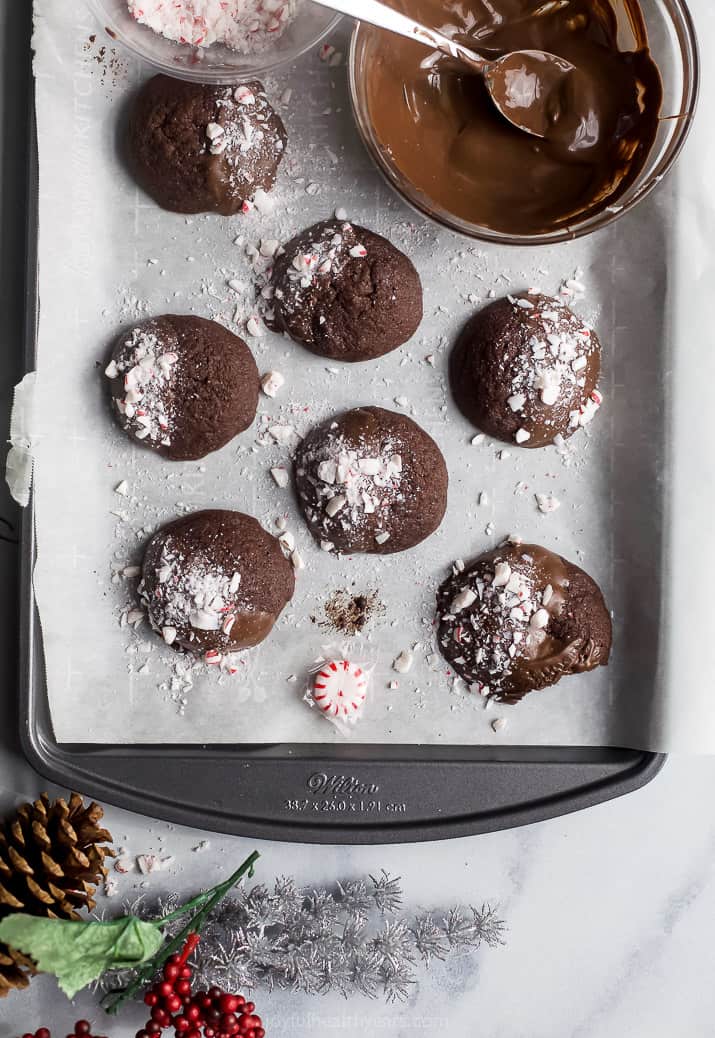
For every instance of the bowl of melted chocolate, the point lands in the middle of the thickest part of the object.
(621, 119)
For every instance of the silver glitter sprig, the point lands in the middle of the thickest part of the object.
(352, 939)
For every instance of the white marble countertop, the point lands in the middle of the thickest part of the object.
(609, 916)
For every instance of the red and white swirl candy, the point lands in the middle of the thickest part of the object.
(340, 690)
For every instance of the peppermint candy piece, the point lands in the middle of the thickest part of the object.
(340, 690)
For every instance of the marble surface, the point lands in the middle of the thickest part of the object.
(609, 916)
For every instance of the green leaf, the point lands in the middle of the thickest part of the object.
(204, 905)
(79, 952)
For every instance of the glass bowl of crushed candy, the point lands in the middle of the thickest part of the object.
(215, 41)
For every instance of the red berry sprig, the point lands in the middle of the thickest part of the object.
(168, 997)
(206, 1014)
(216, 1014)
(82, 1029)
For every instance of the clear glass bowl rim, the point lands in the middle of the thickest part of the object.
(690, 50)
(222, 74)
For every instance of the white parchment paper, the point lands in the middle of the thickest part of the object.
(109, 255)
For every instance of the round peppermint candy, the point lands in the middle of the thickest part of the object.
(340, 690)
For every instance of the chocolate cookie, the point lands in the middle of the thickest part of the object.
(199, 149)
(525, 370)
(215, 582)
(371, 481)
(183, 386)
(345, 293)
(521, 618)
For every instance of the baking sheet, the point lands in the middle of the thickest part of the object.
(108, 256)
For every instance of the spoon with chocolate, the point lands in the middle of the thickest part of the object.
(526, 86)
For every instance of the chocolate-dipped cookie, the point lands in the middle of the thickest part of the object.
(215, 581)
(520, 618)
(197, 148)
(525, 370)
(345, 293)
(183, 386)
(371, 481)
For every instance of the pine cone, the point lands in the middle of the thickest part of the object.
(51, 860)
(15, 970)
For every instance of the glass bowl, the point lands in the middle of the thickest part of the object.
(673, 44)
(215, 64)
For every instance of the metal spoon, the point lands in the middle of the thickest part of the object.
(524, 85)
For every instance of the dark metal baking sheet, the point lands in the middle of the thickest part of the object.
(311, 793)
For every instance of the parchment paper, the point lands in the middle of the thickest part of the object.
(109, 255)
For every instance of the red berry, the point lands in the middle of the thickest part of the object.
(214, 993)
(153, 1027)
(176, 957)
(250, 1006)
(193, 1012)
(151, 998)
(164, 989)
(173, 1004)
(228, 1003)
(28, 1035)
(193, 1033)
(182, 1024)
(228, 1023)
(42, 1032)
(83, 1027)
(183, 987)
(209, 1032)
(260, 1033)
(171, 971)
(185, 972)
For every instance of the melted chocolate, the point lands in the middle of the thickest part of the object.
(520, 618)
(448, 139)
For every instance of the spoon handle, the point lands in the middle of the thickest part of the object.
(385, 17)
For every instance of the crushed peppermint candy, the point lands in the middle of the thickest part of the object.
(144, 374)
(495, 614)
(547, 503)
(148, 863)
(287, 541)
(552, 379)
(403, 663)
(191, 596)
(246, 26)
(320, 254)
(344, 484)
(249, 137)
